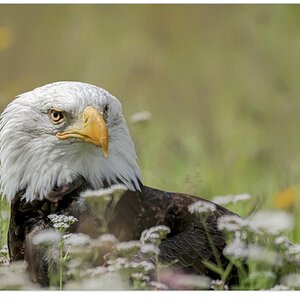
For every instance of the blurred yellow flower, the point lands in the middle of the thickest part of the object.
(285, 198)
(6, 37)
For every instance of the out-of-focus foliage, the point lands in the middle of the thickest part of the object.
(257, 249)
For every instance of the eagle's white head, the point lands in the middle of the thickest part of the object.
(59, 132)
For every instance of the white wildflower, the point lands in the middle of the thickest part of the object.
(62, 222)
(54, 218)
(294, 249)
(140, 276)
(146, 265)
(94, 271)
(256, 276)
(104, 192)
(196, 282)
(70, 220)
(149, 249)
(107, 282)
(241, 197)
(4, 261)
(280, 287)
(255, 252)
(154, 234)
(75, 263)
(107, 237)
(113, 268)
(61, 225)
(134, 264)
(47, 236)
(104, 240)
(118, 263)
(231, 223)
(67, 235)
(224, 200)
(77, 239)
(201, 206)
(218, 285)
(62, 218)
(271, 221)
(158, 285)
(137, 275)
(121, 260)
(19, 266)
(4, 214)
(259, 253)
(282, 241)
(16, 281)
(124, 263)
(293, 254)
(128, 247)
(179, 281)
(4, 250)
(291, 280)
(241, 235)
(238, 249)
(140, 117)
(99, 270)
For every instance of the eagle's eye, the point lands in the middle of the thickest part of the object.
(56, 116)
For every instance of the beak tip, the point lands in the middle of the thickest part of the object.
(105, 153)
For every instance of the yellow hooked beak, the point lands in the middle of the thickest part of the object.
(94, 130)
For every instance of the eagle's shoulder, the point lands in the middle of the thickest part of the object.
(137, 211)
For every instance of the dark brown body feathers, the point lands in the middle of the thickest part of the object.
(188, 243)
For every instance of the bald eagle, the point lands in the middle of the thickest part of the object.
(68, 137)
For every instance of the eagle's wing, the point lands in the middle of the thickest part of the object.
(192, 240)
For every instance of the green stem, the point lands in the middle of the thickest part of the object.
(213, 267)
(61, 265)
(157, 267)
(213, 247)
(227, 271)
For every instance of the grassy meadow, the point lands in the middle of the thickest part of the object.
(220, 81)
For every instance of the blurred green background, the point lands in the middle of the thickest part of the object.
(221, 81)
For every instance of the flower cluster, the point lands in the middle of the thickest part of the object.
(128, 247)
(4, 261)
(149, 249)
(293, 254)
(236, 249)
(201, 207)
(46, 236)
(225, 200)
(181, 281)
(78, 239)
(62, 222)
(256, 246)
(256, 249)
(141, 117)
(231, 223)
(218, 285)
(104, 192)
(15, 277)
(272, 222)
(154, 234)
(291, 280)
